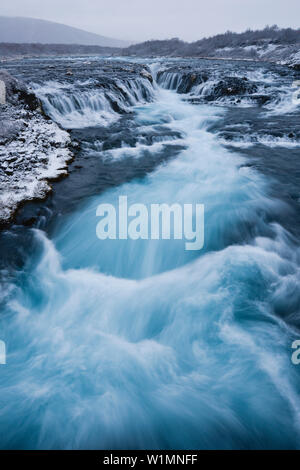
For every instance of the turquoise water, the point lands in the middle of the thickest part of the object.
(142, 344)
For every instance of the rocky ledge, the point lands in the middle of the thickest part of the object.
(33, 149)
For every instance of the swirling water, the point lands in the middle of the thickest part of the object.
(141, 344)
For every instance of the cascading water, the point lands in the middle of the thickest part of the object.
(75, 108)
(141, 344)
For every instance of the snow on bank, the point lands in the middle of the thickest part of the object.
(33, 150)
(285, 54)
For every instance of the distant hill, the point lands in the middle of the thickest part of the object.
(30, 30)
(37, 50)
(270, 43)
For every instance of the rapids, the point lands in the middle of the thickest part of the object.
(123, 344)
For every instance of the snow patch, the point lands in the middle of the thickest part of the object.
(37, 153)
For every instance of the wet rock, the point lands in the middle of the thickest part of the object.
(18, 91)
(146, 74)
(295, 66)
(231, 86)
(30, 221)
(29, 99)
(261, 99)
(190, 80)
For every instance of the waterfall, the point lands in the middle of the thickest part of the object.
(120, 343)
(82, 106)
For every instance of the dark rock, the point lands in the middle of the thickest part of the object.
(295, 66)
(29, 99)
(30, 221)
(18, 91)
(231, 86)
(146, 74)
(189, 80)
(261, 99)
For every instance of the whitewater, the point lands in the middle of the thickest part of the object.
(126, 344)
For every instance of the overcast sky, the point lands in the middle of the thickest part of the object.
(149, 19)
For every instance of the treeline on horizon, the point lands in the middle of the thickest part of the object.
(203, 47)
(7, 49)
(270, 34)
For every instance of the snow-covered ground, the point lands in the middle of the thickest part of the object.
(280, 53)
(33, 150)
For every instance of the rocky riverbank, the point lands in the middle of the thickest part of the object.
(33, 149)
